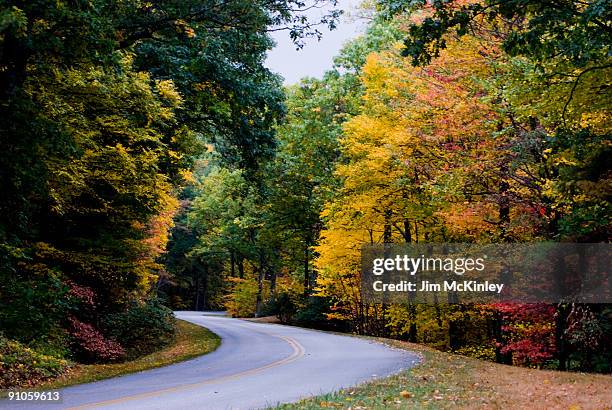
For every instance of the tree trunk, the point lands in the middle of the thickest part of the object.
(240, 264)
(205, 287)
(504, 204)
(505, 358)
(412, 331)
(197, 294)
(260, 279)
(437, 310)
(407, 231)
(560, 327)
(272, 276)
(306, 272)
(387, 229)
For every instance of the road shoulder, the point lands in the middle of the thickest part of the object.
(444, 380)
(191, 341)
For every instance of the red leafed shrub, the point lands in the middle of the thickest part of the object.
(83, 294)
(531, 332)
(531, 344)
(91, 345)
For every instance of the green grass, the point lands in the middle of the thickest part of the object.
(420, 387)
(191, 341)
(448, 381)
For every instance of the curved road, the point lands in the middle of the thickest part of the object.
(257, 365)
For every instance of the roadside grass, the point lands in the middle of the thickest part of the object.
(191, 341)
(448, 381)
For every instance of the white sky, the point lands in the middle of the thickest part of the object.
(317, 56)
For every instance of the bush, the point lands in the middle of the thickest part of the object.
(56, 344)
(282, 306)
(30, 307)
(242, 300)
(90, 345)
(143, 328)
(314, 315)
(21, 366)
(486, 352)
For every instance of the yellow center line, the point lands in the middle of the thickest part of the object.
(298, 351)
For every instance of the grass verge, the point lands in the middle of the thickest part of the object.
(446, 380)
(191, 341)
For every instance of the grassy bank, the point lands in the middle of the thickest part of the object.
(191, 341)
(445, 380)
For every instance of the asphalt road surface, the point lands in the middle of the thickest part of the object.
(257, 365)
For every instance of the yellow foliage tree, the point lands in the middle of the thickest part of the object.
(422, 165)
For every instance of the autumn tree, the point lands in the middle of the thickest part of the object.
(105, 107)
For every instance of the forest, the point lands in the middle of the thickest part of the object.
(150, 162)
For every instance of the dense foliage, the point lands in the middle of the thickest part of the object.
(148, 157)
(105, 106)
(447, 121)
(21, 365)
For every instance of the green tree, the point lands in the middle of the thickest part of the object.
(104, 106)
